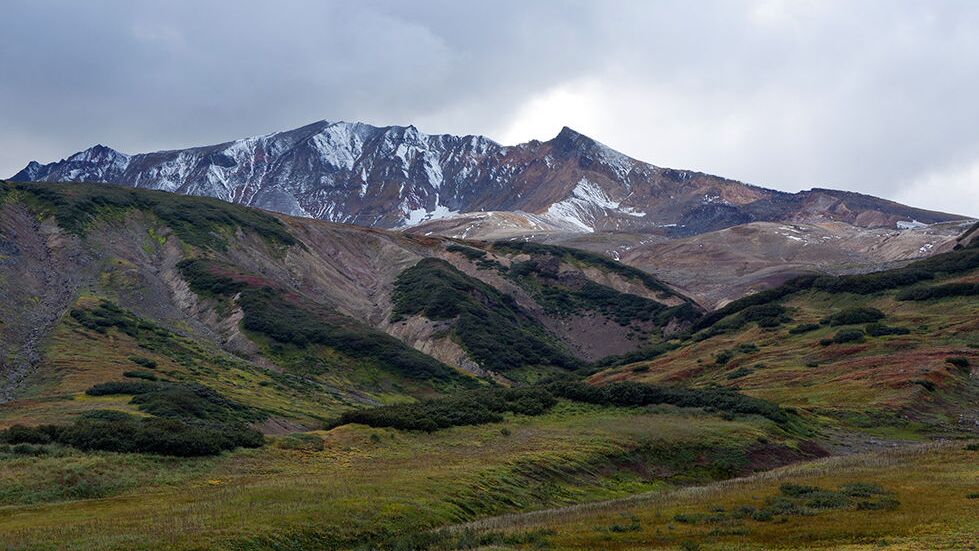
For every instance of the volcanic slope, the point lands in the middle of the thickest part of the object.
(296, 302)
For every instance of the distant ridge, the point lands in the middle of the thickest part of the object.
(397, 176)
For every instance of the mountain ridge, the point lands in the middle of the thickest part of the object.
(397, 176)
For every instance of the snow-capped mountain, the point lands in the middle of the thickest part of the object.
(397, 176)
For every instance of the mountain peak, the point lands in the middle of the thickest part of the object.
(97, 153)
(394, 176)
(569, 134)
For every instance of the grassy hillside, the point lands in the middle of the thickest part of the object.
(357, 484)
(891, 351)
(210, 376)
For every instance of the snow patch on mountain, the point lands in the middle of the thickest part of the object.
(413, 217)
(586, 203)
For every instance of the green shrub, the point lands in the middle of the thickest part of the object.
(723, 357)
(632, 394)
(853, 335)
(203, 279)
(122, 387)
(468, 252)
(145, 362)
(881, 330)
(139, 435)
(940, 291)
(853, 316)
(467, 408)
(861, 489)
(641, 355)
(765, 315)
(926, 384)
(747, 348)
(740, 372)
(886, 503)
(803, 328)
(797, 490)
(139, 374)
(958, 361)
(486, 405)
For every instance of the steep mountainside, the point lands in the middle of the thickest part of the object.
(337, 306)
(397, 176)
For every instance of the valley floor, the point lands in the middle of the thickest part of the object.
(356, 484)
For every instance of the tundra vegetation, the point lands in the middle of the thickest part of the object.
(305, 428)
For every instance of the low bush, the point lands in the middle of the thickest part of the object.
(641, 355)
(468, 408)
(122, 387)
(139, 435)
(177, 400)
(271, 313)
(853, 316)
(853, 335)
(881, 330)
(469, 252)
(631, 394)
(144, 362)
(723, 357)
(140, 374)
(739, 373)
(940, 291)
(765, 315)
(803, 328)
(488, 405)
(589, 258)
(958, 361)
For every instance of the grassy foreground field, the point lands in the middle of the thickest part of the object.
(931, 501)
(356, 485)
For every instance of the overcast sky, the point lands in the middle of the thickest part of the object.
(878, 97)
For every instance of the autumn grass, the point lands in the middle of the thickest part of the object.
(78, 358)
(877, 381)
(930, 484)
(371, 484)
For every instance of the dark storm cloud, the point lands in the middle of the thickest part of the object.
(877, 97)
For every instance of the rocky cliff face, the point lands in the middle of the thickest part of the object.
(396, 176)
